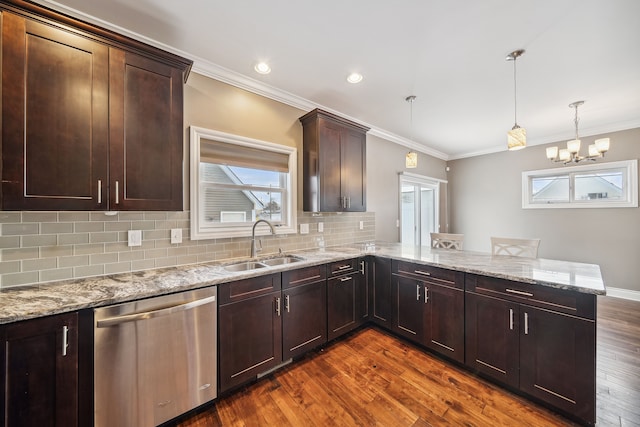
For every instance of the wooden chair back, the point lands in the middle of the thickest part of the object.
(527, 248)
(447, 241)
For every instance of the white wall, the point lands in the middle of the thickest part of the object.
(485, 201)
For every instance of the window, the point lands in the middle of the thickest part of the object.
(236, 181)
(602, 185)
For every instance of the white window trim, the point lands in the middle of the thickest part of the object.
(631, 185)
(199, 232)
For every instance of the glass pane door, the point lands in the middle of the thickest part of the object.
(419, 207)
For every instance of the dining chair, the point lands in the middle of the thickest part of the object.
(447, 241)
(527, 248)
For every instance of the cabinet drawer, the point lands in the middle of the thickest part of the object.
(302, 276)
(343, 267)
(248, 288)
(564, 301)
(427, 273)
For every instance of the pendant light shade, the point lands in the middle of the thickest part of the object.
(517, 136)
(411, 159)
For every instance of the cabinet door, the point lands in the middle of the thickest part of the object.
(408, 308)
(341, 303)
(146, 134)
(250, 338)
(363, 292)
(54, 118)
(556, 360)
(353, 170)
(492, 337)
(329, 167)
(444, 320)
(381, 289)
(40, 373)
(304, 318)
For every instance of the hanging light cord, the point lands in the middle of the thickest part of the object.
(515, 90)
(575, 120)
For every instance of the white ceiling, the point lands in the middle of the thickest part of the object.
(449, 53)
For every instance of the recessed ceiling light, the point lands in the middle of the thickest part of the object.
(354, 78)
(262, 68)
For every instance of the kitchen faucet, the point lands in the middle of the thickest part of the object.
(254, 246)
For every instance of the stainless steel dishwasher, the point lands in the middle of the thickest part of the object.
(155, 358)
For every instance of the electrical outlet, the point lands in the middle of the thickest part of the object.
(176, 235)
(320, 227)
(361, 225)
(304, 228)
(135, 238)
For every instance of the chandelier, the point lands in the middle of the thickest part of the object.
(411, 159)
(571, 153)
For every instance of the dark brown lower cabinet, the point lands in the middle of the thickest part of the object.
(250, 329)
(428, 307)
(347, 300)
(538, 340)
(379, 276)
(269, 319)
(304, 316)
(40, 372)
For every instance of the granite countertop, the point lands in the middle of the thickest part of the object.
(28, 302)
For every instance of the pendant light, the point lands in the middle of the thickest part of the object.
(517, 136)
(411, 159)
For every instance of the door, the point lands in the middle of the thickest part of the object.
(492, 337)
(381, 290)
(304, 318)
(146, 133)
(41, 372)
(557, 363)
(444, 320)
(54, 118)
(408, 308)
(419, 209)
(341, 303)
(250, 338)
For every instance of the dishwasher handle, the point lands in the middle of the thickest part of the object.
(111, 321)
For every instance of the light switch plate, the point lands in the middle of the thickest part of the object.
(361, 225)
(304, 228)
(135, 237)
(176, 235)
(320, 227)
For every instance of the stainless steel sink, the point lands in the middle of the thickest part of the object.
(288, 259)
(244, 266)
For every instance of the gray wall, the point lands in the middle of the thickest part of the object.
(485, 200)
(385, 160)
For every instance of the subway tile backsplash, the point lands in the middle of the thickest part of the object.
(37, 247)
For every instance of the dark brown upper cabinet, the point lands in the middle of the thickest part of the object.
(334, 163)
(91, 120)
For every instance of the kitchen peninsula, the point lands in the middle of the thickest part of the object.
(510, 316)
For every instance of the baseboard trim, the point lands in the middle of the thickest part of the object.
(623, 293)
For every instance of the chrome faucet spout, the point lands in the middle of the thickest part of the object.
(254, 246)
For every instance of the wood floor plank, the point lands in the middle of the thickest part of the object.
(371, 378)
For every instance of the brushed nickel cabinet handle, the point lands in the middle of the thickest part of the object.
(117, 193)
(417, 292)
(286, 303)
(344, 267)
(513, 291)
(362, 267)
(99, 191)
(526, 324)
(423, 273)
(278, 306)
(348, 202)
(511, 319)
(346, 279)
(426, 295)
(65, 340)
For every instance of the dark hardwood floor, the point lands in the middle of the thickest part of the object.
(371, 378)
